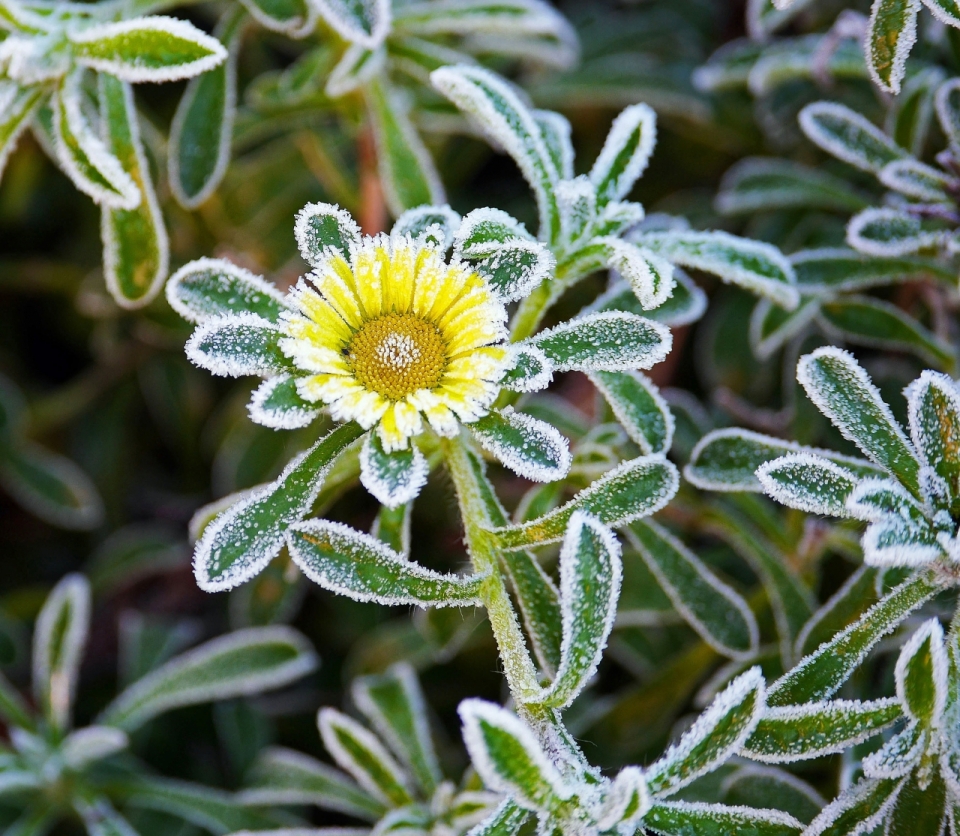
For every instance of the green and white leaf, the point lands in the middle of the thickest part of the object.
(276, 403)
(210, 288)
(809, 483)
(891, 34)
(239, 345)
(393, 478)
(529, 447)
(625, 154)
(848, 136)
(892, 232)
(639, 407)
(921, 675)
(362, 22)
(323, 227)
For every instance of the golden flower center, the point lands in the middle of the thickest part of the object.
(396, 354)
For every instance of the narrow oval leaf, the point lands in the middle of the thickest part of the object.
(612, 341)
(892, 232)
(688, 817)
(917, 180)
(531, 369)
(711, 607)
(100, 819)
(354, 564)
(639, 407)
(755, 266)
(242, 663)
(933, 410)
(250, 533)
(590, 574)
(820, 675)
(238, 345)
(947, 104)
(513, 268)
(839, 269)
(213, 287)
(526, 445)
(88, 745)
(799, 732)
(625, 154)
(136, 252)
(59, 640)
(202, 126)
(17, 104)
(649, 275)
(921, 674)
(717, 734)
(891, 34)
(394, 478)
(860, 809)
(846, 135)
(360, 753)
(434, 224)
(366, 23)
(277, 404)
(808, 482)
(147, 49)
(295, 18)
(634, 489)
(843, 391)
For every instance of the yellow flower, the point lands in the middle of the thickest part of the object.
(393, 334)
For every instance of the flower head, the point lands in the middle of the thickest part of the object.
(390, 334)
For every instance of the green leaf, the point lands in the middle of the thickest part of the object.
(283, 776)
(860, 809)
(947, 104)
(355, 70)
(772, 788)
(50, 486)
(771, 327)
(354, 564)
(242, 663)
(13, 708)
(394, 705)
(407, 171)
(684, 818)
(100, 819)
(361, 754)
(508, 758)
(83, 156)
(846, 135)
(488, 99)
(716, 735)
(147, 49)
(921, 674)
(916, 180)
(539, 602)
(554, 127)
(277, 404)
(755, 266)
(893, 232)
(837, 269)
(59, 640)
(921, 807)
(321, 228)
(933, 409)
(529, 447)
(843, 391)
(392, 527)
(625, 153)
(808, 482)
(210, 288)
(634, 489)
(800, 732)
(843, 608)
(506, 820)
(295, 18)
(639, 408)
(711, 607)
(762, 184)
(821, 674)
(891, 34)
(238, 345)
(875, 323)
(434, 224)
(612, 341)
(590, 574)
(532, 370)
(727, 459)
(394, 478)
(685, 305)
(202, 127)
(363, 23)
(135, 246)
(19, 105)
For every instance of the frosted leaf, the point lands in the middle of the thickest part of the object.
(611, 341)
(321, 227)
(486, 226)
(764, 17)
(394, 705)
(530, 370)
(577, 202)
(846, 603)
(827, 270)
(848, 136)
(717, 734)
(362, 22)
(245, 537)
(436, 225)
(858, 810)
(695, 817)
(758, 267)
(526, 445)
(790, 733)
(687, 302)
(899, 534)
(718, 613)
(634, 489)
(238, 345)
(626, 803)
(772, 327)
(921, 674)
(355, 69)
(142, 49)
(555, 127)
(891, 34)
(392, 478)
(890, 232)
(843, 391)
(947, 104)
(916, 180)
(213, 287)
(727, 459)
(639, 407)
(648, 274)
(898, 755)
(819, 675)
(933, 410)
(625, 154)
(100, 819)
(506, 820)
(809, 483)
(502, 114)
(508, 758)
(513, 269)
(241, 663)
(85, 746)
(876, 500)
(283, 776)
(83, 155)
(590, 574)
(360, 753)
(277, 404)
(617, 218)
(350, 563)
(59, 640)
(295, 18)
(17, 104)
